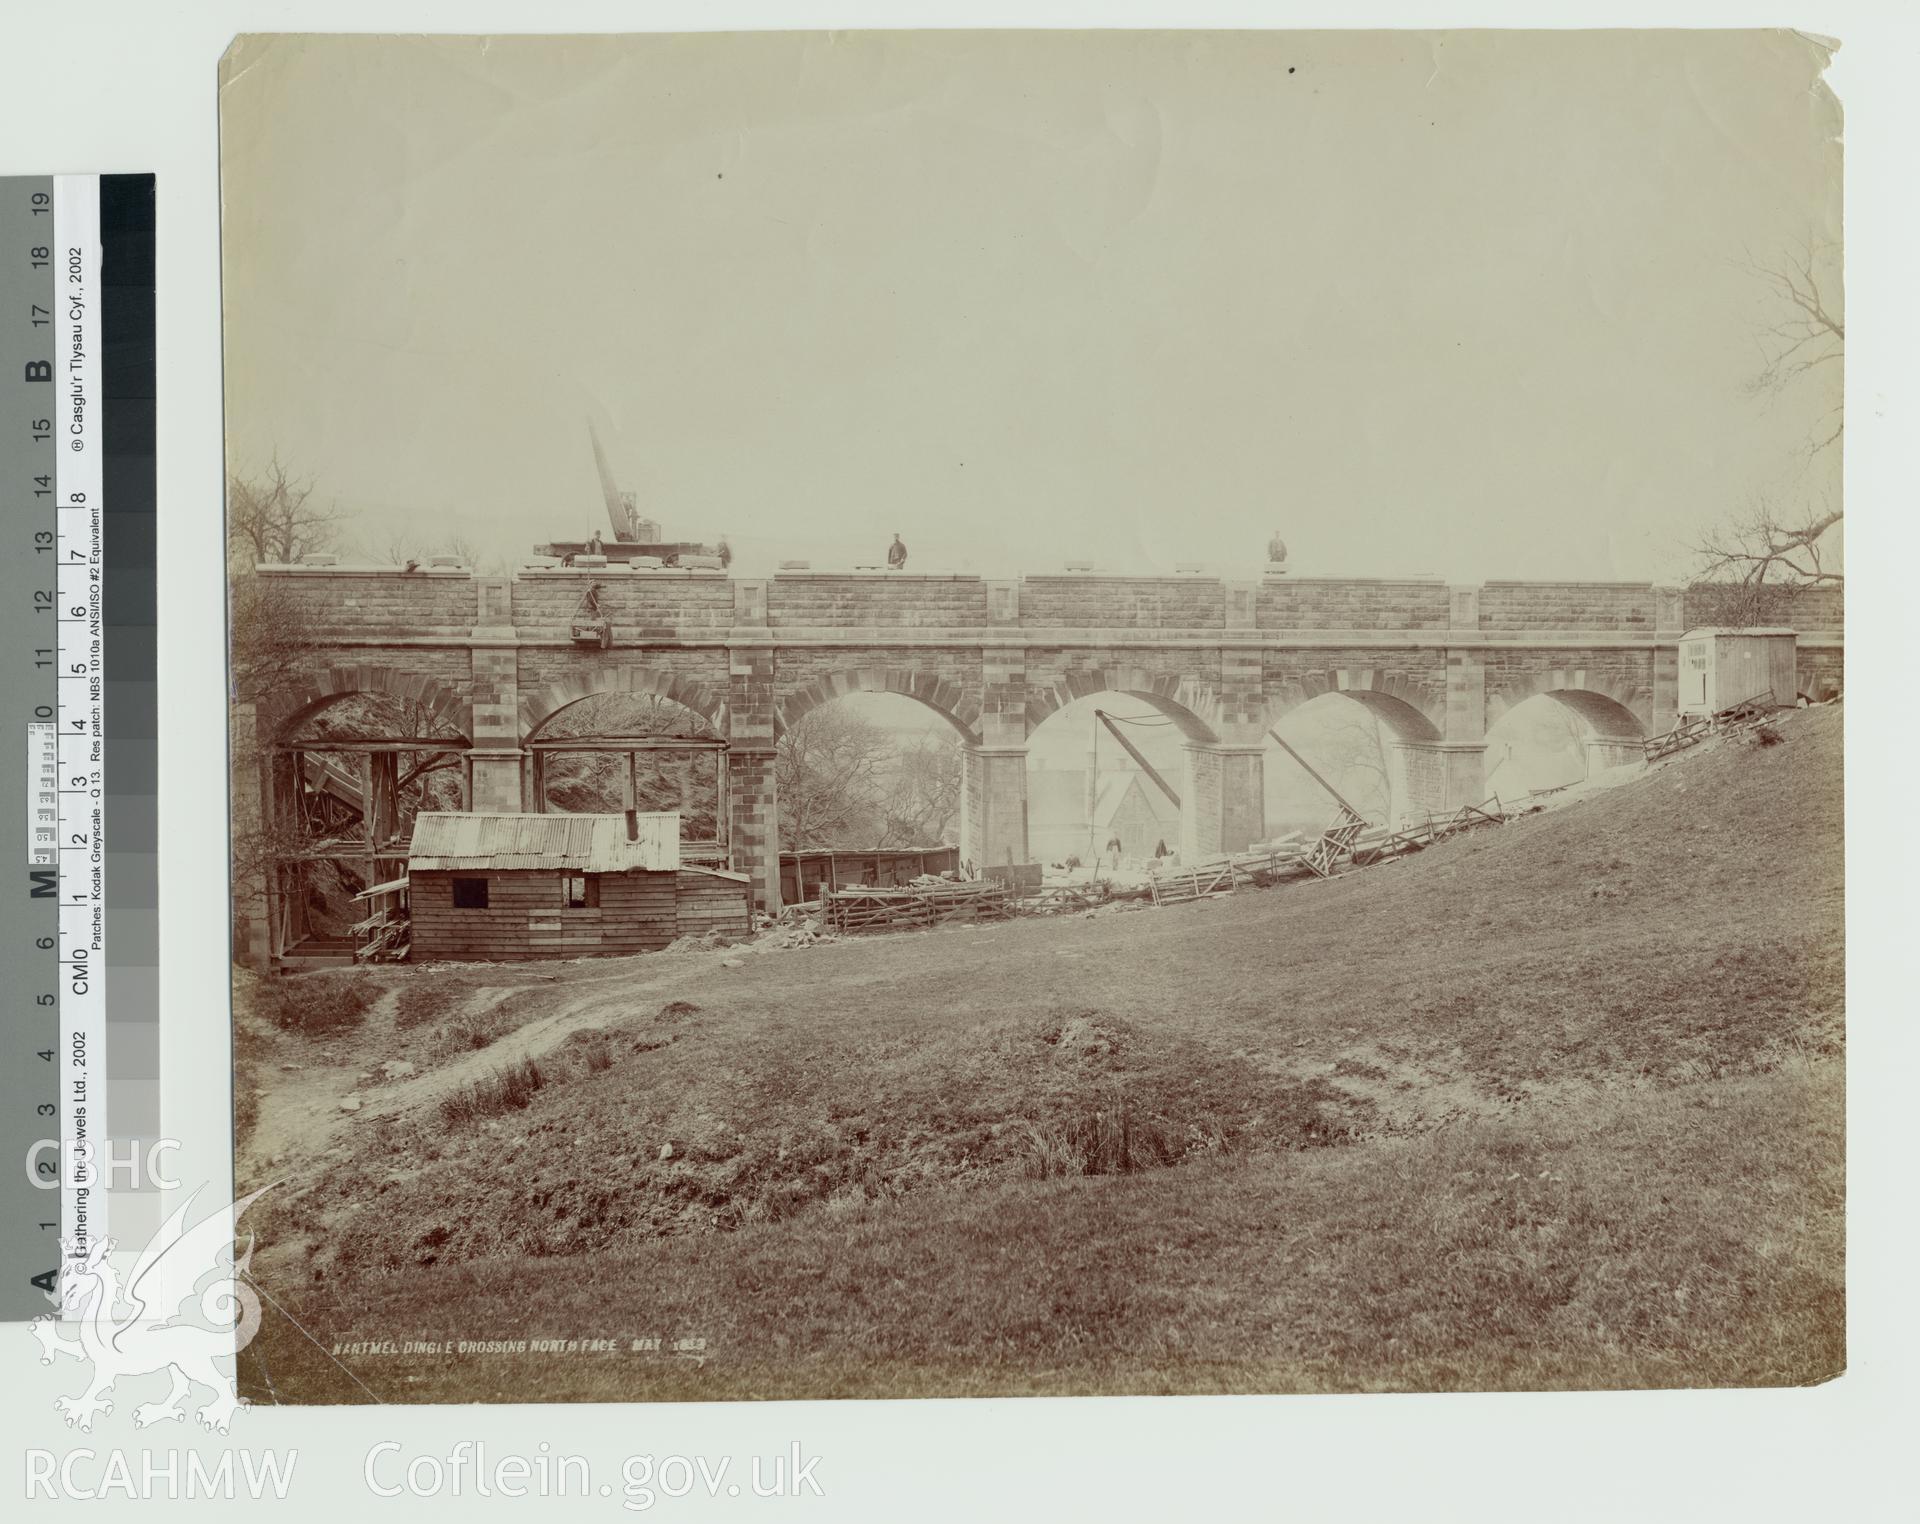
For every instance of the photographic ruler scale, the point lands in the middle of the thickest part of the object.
(73, 341)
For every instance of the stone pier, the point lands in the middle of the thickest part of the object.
(495, 658)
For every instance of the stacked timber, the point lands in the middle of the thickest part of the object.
(909, 908)
(385, 935)
(382, 937)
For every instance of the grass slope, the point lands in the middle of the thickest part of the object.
(1558, 1105)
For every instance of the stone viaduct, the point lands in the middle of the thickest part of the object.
(495, 657)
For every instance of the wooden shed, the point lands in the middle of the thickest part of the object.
(498, 886)
(806, 874)
(1721, 668)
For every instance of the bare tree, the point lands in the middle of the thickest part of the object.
(389, 539)
(923, 798)
(270, 635)
(1761, 546)
(269, 645)
(1750, 567)
(1343, 743)
(397, 546)
(401, 547)
(272, 517)
(270, 638)
(828, 770)
(1352, 744)
(1745, 564)
(1808, 333)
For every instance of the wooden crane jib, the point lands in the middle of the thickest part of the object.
(1133, 751)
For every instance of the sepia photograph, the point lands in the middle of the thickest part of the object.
(1035, 714)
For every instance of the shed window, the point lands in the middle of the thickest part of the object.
(580, 891)
(469, 894)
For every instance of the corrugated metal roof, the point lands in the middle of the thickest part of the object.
(577, 843)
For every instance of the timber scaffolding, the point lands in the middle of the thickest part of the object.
(1353, 840)
(1697, 727)
(1349, 839)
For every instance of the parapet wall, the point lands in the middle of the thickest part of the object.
(544, 605)
(359, 603)
(1309, 603)
(817, 600)
(377, 601)
(1576, 605)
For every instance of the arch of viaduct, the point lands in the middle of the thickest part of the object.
(494, 658)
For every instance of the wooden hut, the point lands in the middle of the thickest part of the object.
(1721, 668)
(498, 886)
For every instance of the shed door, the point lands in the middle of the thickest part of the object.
(1694, 666)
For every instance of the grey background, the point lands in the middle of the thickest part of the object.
(26, 1082)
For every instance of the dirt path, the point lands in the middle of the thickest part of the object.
(616, 996)
(300, 1105)
(301, 1115)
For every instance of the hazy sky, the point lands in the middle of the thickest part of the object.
(1460, 303)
